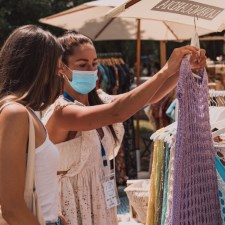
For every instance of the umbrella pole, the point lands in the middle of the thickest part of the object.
(162, 53)
(138, 66)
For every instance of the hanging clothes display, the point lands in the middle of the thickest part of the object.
(161, 182)
(115, 78)
(151, 201)
(194, 165)
(165, 184)
(195, 190)
(156, 184)
(114, 75)
(217, 102)
(220, 167)
(129, 148)
(169, 196)
(160, 113)
(167, 136)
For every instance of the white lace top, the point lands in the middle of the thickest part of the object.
(81, 194)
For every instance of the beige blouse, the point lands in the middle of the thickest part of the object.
(81, 194)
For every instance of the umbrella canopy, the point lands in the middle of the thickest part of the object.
(212, 38)
(89, 19)
(210, 14)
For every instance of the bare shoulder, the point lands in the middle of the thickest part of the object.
(15, 114)
(106, 98)
(63, 111)
(14, 126)
(64, 117)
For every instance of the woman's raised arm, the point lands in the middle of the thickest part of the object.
(78, 118)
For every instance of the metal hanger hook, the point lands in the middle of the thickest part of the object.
(195, 17)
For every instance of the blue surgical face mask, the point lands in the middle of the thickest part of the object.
(83, 82)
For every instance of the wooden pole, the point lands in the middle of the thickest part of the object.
(138, 68)
(162, 53)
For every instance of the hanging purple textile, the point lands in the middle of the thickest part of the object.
(195, 195)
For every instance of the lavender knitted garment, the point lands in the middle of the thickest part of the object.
(195, 191)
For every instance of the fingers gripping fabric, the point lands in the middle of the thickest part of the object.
(195, 191)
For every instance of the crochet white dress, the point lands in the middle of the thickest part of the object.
(81, 194)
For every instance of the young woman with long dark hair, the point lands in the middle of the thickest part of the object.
(29, 62)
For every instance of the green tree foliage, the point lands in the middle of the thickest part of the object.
(14, 13)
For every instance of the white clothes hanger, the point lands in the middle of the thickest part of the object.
(161, 135)
(196, 43)
(166, 133)
(218, 125)
(214, 112)
(220, 113)
(153, 136)
(169, 139)
(217, 113)
(218, 132)
(215, 93)
(156, 135)
(219, 118)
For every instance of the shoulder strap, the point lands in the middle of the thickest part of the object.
(5, 104)
(30, 156)
(30, 194)
(30, 170)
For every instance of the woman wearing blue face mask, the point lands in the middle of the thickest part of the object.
(80, 125)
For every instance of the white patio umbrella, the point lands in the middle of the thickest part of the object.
(89, 19)
(210, 13)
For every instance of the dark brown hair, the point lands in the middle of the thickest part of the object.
(28, 67)
(69, 41)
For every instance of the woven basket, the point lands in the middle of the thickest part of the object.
(138, 194)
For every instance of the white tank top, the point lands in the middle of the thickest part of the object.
(46, 165)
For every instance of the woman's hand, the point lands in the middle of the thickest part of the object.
(198, 61)
(173, 64)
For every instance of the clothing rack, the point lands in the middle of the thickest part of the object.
(110, 58)
(215, 93)
(115, 78)
(216, 98)
(110, 54)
